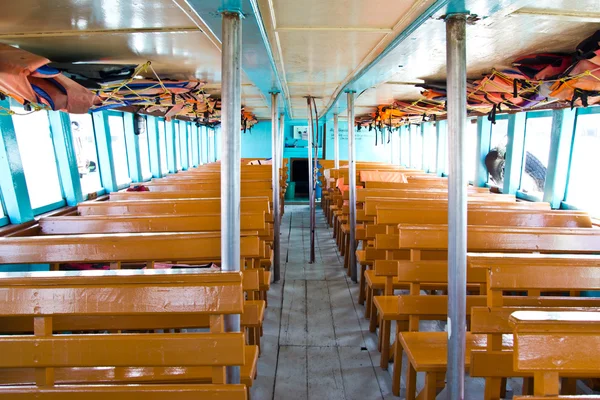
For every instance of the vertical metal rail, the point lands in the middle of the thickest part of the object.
(457, 202)
(231, 103)
(276, 188)
(352, 183)
(336, 142)
(311, 187)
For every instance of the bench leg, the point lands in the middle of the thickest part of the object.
(492, 388)
(527, 386)
(361, 289)
(373, 321)
(368, 302)
(411, 382)
(386, 326)
(397, 373)
(430, 389)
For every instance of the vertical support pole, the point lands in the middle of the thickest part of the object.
(456, 61)
(352, 183)
(484, 137)
(183, 145)
(276, 186)
(171, 157)
(231, 104)
(311, 177)
(442, 146)
(201, 131)
(513, 161)
(105, 153)
(60, 128)
(154, 146)
(563, 132)
(336, 142)
(12, 176)
(424, 165)
(410, 135)
(133, 147)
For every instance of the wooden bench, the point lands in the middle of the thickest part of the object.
(51, 358)
(535, 274)
(388, 220)
(551, 345)
(488, 323)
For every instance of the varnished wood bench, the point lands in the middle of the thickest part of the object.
(50, 359)
(136, 251)
(551, 345)
(489, 324)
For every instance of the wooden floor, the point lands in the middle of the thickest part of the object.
(316, 344)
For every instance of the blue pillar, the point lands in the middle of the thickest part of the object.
(563, 132)
(12, 176)
(66, 159)
(183, 142)
(171, 151)
(442, 144)
(105, 153)
(154, 146)
(133, 148)
(484, 136)
(514, 152)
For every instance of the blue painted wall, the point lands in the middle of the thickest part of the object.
(364, 142)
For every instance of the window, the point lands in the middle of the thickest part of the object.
(498, 141)
(471, 149)
(162, 143)
(144, 152)
(416, 147)
(538, 132)
(177, 146)
(190, 144)
(38, 157)
(429, 151)
(404, 146)
(183, 143)
(583, 192)
(211, 145)
(84, 142)
(119, 150)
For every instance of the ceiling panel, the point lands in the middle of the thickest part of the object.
(59, 15)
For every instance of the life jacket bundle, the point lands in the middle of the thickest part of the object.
(581, 85)
(26, 78)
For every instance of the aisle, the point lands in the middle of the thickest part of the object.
(316, 343)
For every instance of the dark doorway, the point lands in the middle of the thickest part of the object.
(300, 176)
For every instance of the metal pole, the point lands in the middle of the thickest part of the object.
(457, 202)
(231, 103)
(276, 187)
(311, 187)
(352, 183)
(336, 142)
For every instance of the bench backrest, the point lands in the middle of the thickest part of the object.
(184, 194)
(175, 186)
(123, 247)
(363, 194)
(169, 206)
(372, 204)
(562, 342)
(157, 223)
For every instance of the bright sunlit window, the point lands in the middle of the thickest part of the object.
(195, 152)
(404, 146)
(38, 157)
(538, 132)
(190, 145)
(211, 145)
(583, 191)
(162, 143)
(117, 134)
(430, 148)
(144, 153)
(416, 144)
(183, 143)
(177, 146)
(84, 141)
(471, 150)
